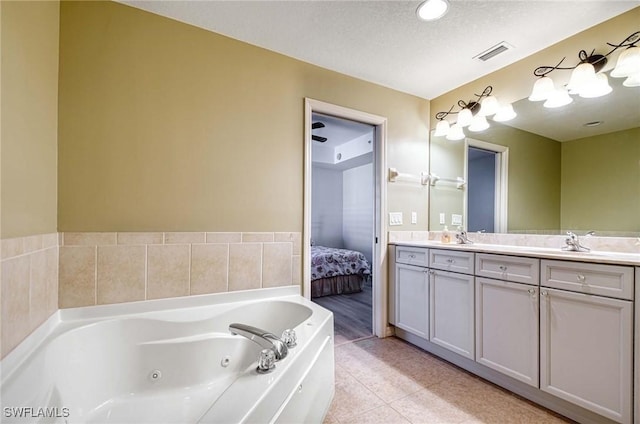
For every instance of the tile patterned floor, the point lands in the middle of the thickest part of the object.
(389, 381)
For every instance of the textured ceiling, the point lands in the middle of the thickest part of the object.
(383, 41)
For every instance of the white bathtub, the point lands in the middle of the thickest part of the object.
(172, 361)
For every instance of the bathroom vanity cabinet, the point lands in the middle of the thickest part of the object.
(507, 314)
(559, 332)
(451, 301)
(586, 343)
(412, 298)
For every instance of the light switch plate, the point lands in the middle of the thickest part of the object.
(442, 219)
(456, 219)
(395, 218)
(414, 217)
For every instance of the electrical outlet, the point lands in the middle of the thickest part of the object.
(414, 217)
(442, 218)
(395, 218)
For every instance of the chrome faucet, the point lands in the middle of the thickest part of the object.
(462, 238)
(265, 339)
(572, 243)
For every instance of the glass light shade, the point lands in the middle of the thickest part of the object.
(632, 80)
(431, 10)
(628, 63)
(505, 113)
(598, 88)
(455, 133)
(442, 128)
(581, 78)
(542, 89)
(464, 117)
(489, 106)
(478, 123)
(559, 98)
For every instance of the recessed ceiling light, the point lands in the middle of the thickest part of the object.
(593, 124)
(431, 10)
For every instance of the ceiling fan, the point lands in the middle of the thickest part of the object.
(317, 138)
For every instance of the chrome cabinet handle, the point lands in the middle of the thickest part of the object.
(544, 293)
(503, 268)
(532, 291)
(412, 256)
(432, 272)
(581, 278)
(450, 260)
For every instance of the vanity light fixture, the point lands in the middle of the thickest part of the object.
(586, 79)
(473, 114)
(432, 10)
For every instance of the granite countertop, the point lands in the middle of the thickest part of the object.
(593, 256)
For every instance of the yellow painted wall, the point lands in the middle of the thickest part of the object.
(601, 182)
(29, 117)
(164, 126)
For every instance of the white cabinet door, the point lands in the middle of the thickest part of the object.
(412, 299)
(586, 351)
(507, 328)
(451, 304)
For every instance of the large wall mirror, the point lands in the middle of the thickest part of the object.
(571, 168)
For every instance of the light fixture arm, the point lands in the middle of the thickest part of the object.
(472, 105)
(597, 60)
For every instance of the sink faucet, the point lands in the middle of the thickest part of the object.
(572, 243)
(461, 238)
(265, 339)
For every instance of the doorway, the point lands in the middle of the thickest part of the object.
(358, 167)
(486, 168)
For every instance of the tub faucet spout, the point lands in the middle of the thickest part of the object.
(265, 339)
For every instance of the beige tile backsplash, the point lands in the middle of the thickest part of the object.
(121, 274)
(29, 286)
(44, 272)
(100, 268)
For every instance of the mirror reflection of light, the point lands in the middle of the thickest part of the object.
(455, 133)
(560, 97)
(505, 113)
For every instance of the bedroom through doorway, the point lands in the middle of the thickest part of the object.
(343, 216)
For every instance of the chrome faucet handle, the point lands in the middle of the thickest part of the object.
(289, 338)
(267, 361)
(262, 337)
(462, 238)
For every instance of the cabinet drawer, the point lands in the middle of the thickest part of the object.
(605, 280)
(450, 260)
(412, 256)
(509, 268)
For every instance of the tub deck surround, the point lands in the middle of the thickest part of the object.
(115, 267)
(174, 360)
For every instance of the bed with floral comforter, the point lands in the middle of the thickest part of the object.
(337, 271)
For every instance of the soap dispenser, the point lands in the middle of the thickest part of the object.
(445, 237)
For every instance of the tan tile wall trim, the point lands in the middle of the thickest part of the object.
(29, 286)
(103, 268)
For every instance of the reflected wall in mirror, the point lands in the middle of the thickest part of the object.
(563, 174)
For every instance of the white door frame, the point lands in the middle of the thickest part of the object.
(379, 302)
(502, 178)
